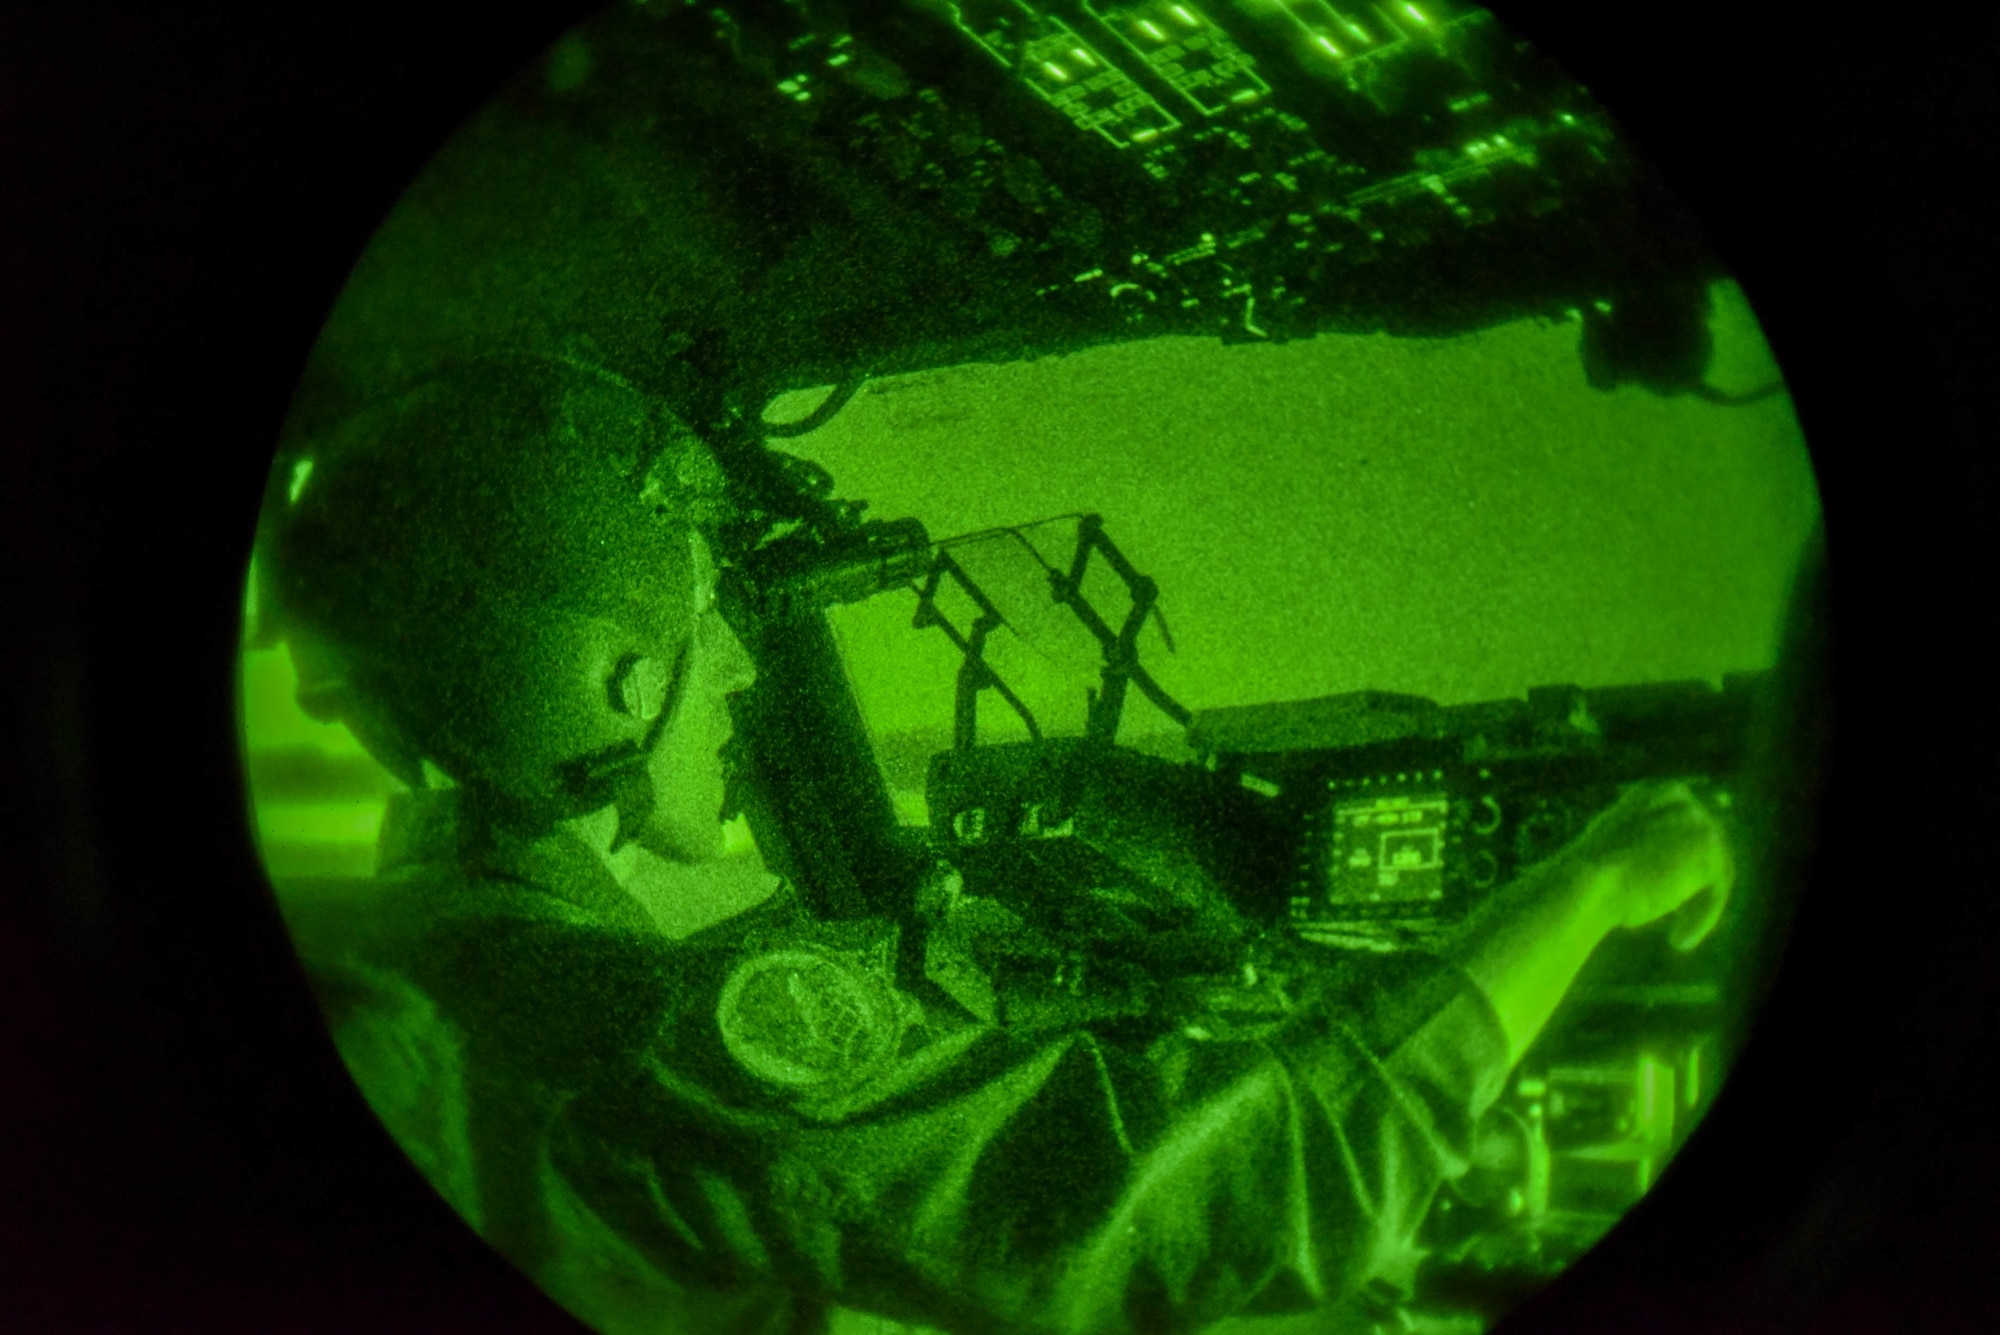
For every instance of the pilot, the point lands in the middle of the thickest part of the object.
(640, 1069)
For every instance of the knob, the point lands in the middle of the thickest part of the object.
(1486, 815)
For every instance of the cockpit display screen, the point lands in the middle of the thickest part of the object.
(1387, 849)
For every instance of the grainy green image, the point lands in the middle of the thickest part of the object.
(986, 667)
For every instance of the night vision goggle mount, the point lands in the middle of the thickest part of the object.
(1121, 668)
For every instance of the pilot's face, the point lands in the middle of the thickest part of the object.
(686, 764)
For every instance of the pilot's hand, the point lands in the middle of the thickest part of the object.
(1656, 852)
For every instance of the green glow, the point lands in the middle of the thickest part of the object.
(1034, 44)
(1033, 1070)
(346, 824)
(272, 718)
(1460, 520)
(1204, 66)
(325, 819)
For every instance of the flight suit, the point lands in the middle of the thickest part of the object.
(747, 1128)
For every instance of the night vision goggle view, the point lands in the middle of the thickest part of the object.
(1075, 666)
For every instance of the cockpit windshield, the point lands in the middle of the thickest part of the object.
(1460, 519)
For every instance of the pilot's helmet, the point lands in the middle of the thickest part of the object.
(489, 576)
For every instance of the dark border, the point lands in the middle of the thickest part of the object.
(185, 191)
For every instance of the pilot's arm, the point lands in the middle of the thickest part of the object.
(985, 1179)
(1655, 853)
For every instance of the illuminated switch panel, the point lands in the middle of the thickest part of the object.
(1347, 32)
(1065, 70)
(1181, 45)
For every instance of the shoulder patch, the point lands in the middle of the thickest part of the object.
(804, 1022)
